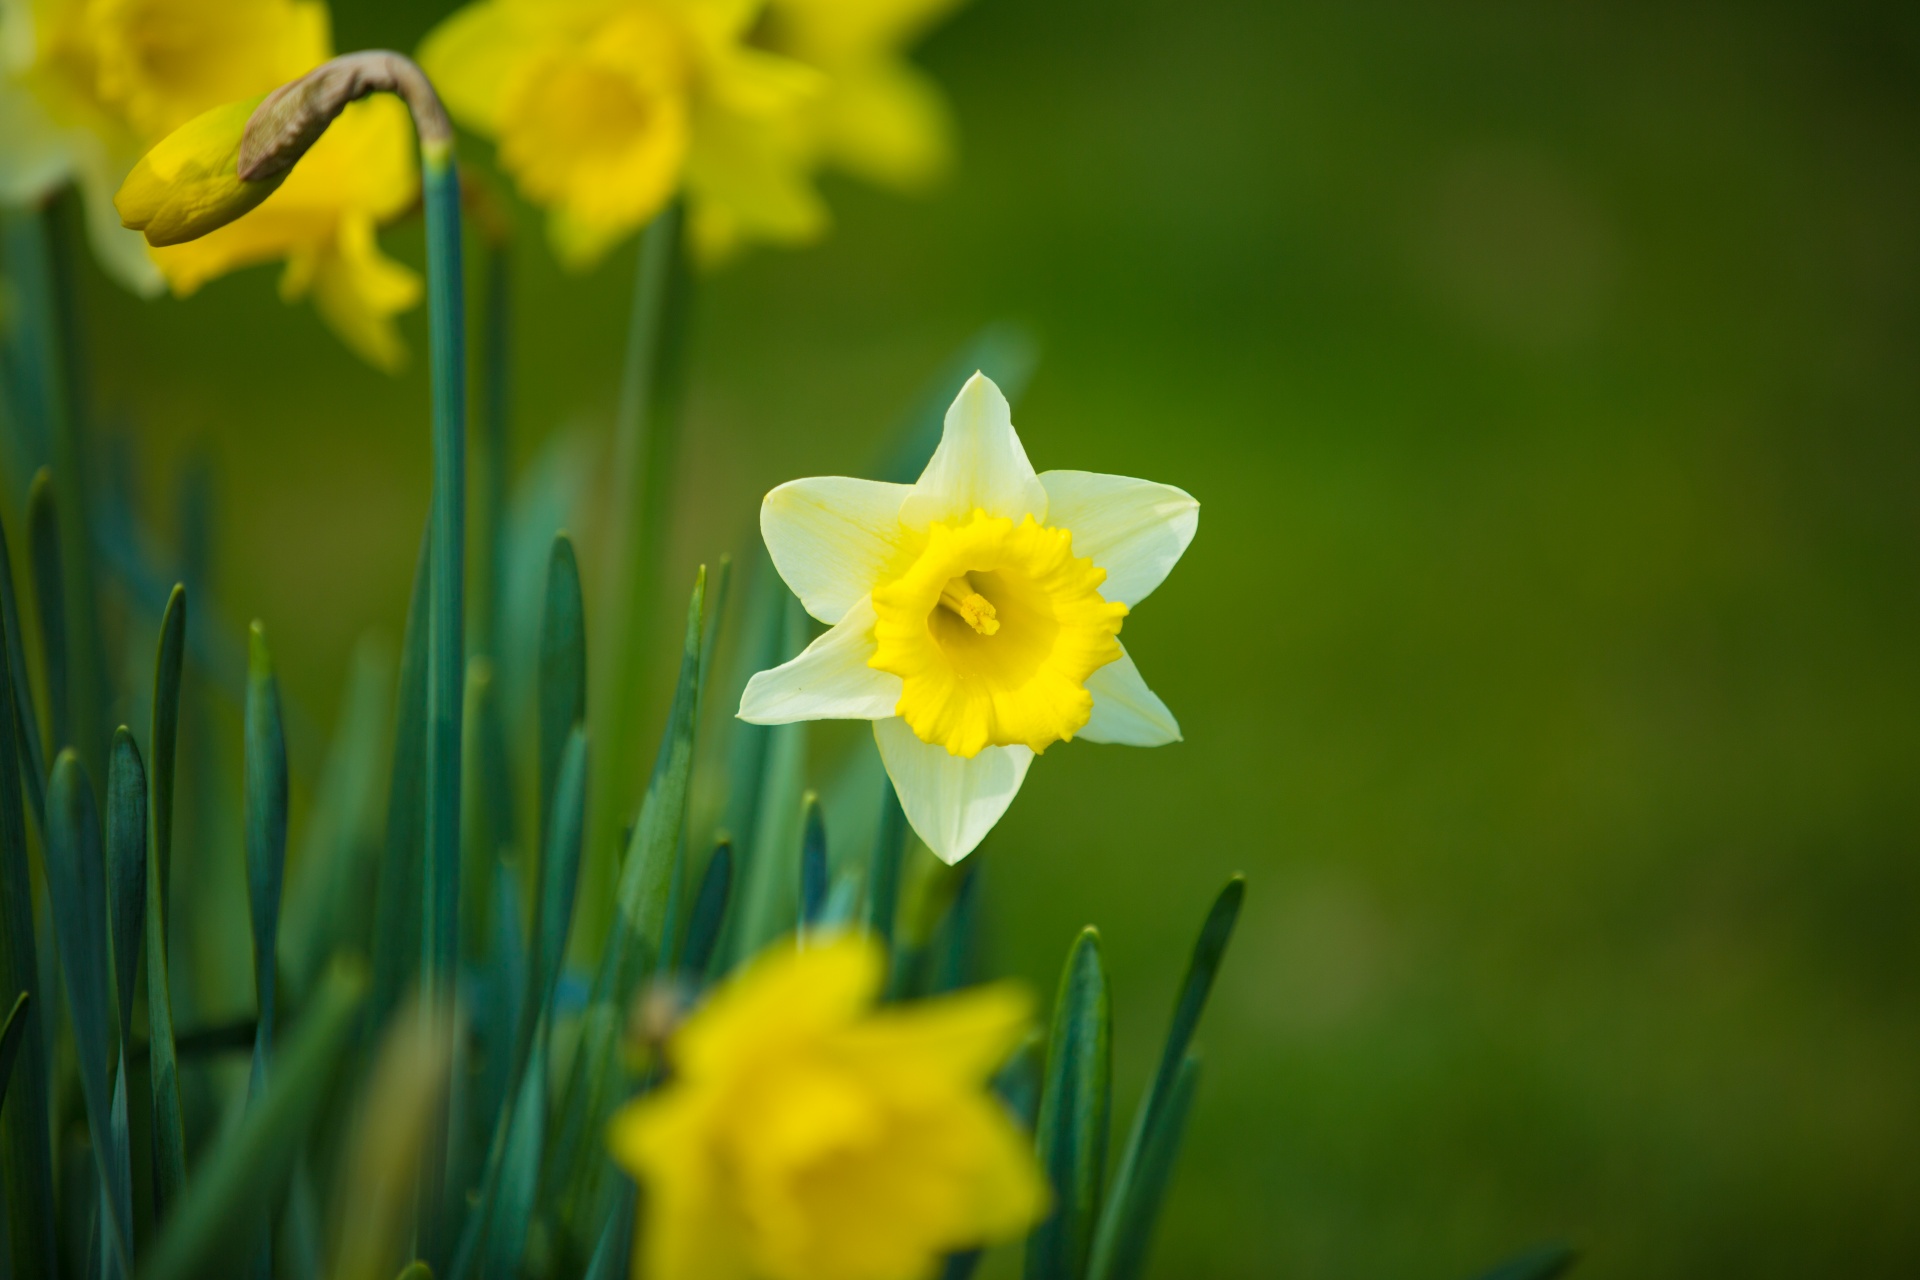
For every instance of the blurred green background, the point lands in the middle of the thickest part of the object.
(1549, 377)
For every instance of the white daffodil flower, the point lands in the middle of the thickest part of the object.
(975, 614)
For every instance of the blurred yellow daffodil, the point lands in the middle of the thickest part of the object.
(88, 86)
(320, 221)
(807, 1135)
(880, 117)
(974, 614)
(603, 109)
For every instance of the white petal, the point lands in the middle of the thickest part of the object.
(980, 464)
(952, 802)
(1134, 529)
(833, 538)
(830, 680)
(1125, 711)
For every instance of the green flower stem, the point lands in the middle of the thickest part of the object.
(645, 441)
(446, 660)
(493, 443)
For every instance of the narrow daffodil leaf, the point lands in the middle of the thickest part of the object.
(883, 880)
(26, 720)
(164, 745)
(1543, 1263)
(266, 818)
(169, 1143)
(214, 1226)
(610, 1253)
(126, 867)
(813, 861)
(482, 834)
(12, 1032)
(1109, 1259)
(956, 944)
(76, 875)
(632, 946)
(559, 878)
(763, 631)
(519, 1182)
(119, 1165)
(1071, 1134)
(709, 912)
(26, 1158)
(770, 877)
(397, 904)
(44, 555)
(1134, 1205)
(563, 667)
(328, 902)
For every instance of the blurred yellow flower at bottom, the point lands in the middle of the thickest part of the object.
(807, 1135)
(322, 220)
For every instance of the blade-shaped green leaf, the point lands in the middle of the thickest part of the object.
(709, 912)
(1071, 1134)
(397, 907)
(12, 1032)
(563, 667)
(1133, 1206)
(26, 720)
(611, 1252)
(44, 555)
(126, 867)
(576, 1160)
(813, 861)
(1543, 1263)
(266, 818)
(1109, 1262)
(215, 1225)
(76, 886)
(519, 1183)
(26, 1158)
(165, 740)
(883, 881)
(770, 875)
(163, 1072)
(559, 878)
(484, 829)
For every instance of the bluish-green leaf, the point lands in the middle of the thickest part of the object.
(12, 1032)
(485, 829)
(610, 1254)
(1110, 1260)
(769, 878)
(126, 867)
(76, 886)
(559, 876)
(813, 861)
(26, 1158)
(397, 907)
(266, 817)
(709, 912)
(563, 667)
(26, 720)
(1133, 1206)
(169, 1127)
(164, 743)
(883, 880)
(1071, 1134)
(513, 1204)
(44, 556)
(215, 1225)
(1543, 1263)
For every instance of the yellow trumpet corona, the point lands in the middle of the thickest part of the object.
(807, 1135)
(975, 614)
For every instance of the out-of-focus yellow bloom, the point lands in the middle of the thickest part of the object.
(90, 84)
(603, 109)
(321, 222)
(86, 85)
(975, 614)
(808, 1136)
(880, 117)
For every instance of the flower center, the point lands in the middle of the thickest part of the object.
(973, 608)
(993, 631)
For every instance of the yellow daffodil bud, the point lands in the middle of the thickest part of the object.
(190, 183)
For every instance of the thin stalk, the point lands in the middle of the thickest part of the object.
(645, 440)
(494, 446)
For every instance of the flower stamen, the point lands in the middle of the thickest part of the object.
(973, 608)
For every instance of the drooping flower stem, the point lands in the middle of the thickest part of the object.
(645, 444)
